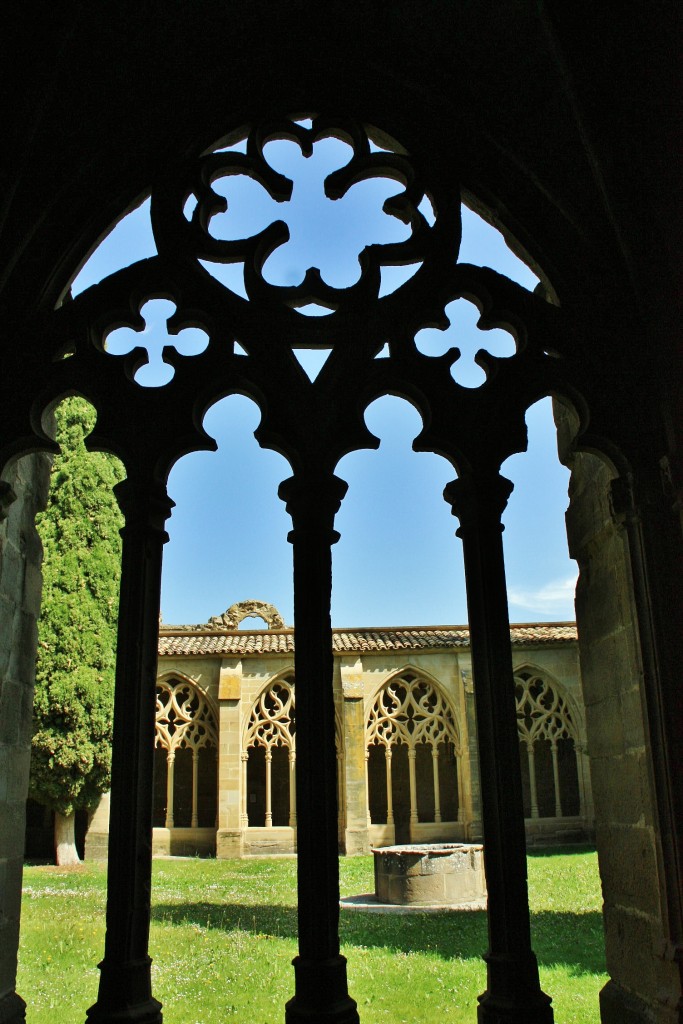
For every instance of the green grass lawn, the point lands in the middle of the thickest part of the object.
(224, 933)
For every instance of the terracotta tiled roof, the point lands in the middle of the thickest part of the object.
(189, 640)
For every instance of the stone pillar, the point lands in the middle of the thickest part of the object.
(626, 735)
(231, 767)
(125, 990)
(321, 992)
(513, 994)
(22, 494)
(470, 760)
(356, 838)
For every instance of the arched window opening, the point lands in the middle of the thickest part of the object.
(271, 758)
(548, 748)
(186, 740)
(541, 576)
(414, 776)
(395, 530)
(411, 750)
(228, 524)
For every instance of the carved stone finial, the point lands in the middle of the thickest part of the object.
(235, 614)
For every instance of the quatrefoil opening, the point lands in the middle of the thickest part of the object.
(461, 339)
(156, 340)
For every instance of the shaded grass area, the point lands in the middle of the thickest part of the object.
(224, 932)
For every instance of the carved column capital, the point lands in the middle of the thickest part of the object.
(313, 501)
(144, 505)
(476, 500)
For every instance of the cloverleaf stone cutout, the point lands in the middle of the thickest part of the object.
(156, 313)
(463, 333)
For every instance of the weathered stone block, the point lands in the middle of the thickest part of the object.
(618, 791)
(628, 868)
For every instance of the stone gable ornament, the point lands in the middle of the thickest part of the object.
(236, 613)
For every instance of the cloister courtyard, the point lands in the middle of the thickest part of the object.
(223, 933)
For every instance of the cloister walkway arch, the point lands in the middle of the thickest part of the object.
(541, 139)
(313, 424)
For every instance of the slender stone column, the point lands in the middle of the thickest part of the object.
(412, 755)
(292, 789)
(556, 781)
(390, 787)
(533, 791)
(437, 788)
(513, 994)
(125, 991)
(194, 821)
(244, 814)
(269, 788)
(321, 992)
(170, 780)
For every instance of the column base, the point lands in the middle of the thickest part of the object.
(125, 995)
(356, 841)
(229, 843)
(12, 1009)
(147, 1013)
(321, 993)
(535, 1010)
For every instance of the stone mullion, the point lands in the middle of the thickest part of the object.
(321, 992)
(390, 791)
(269, 788)
(125, 991)
(292, 788)
(533, 792)
(244, 816)
(194, 820)
(578, 756)
(459, 778)
(170, 777)
(513, 994)
(367, 787)
(437, 790)
(412, 754)
(556, 779)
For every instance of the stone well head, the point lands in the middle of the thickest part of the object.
(430, 874)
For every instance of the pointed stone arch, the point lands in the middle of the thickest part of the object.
(186, 772)
(411, 722)
(552, 753)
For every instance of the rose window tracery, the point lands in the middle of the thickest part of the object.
(205, 217)
(542, 711)
(272, 720)
(184, 717)
(410, 710)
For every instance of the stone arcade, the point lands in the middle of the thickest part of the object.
(405, 737)
(556, 122)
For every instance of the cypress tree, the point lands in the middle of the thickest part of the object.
(74, 695)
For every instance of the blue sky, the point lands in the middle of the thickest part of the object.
(398, 561)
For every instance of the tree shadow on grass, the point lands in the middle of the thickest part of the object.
(559, 938)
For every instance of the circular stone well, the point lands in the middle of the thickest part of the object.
(430, 874)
